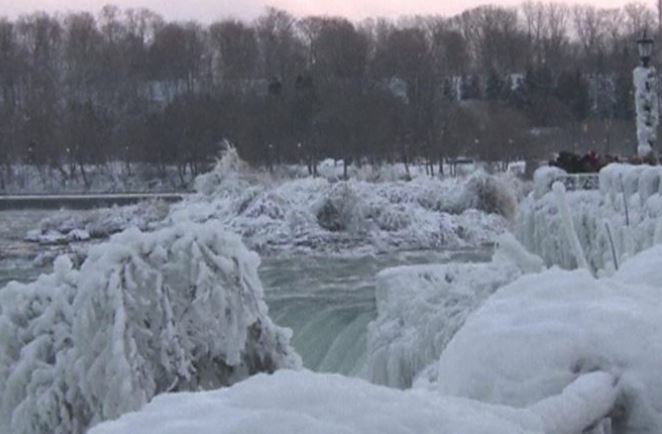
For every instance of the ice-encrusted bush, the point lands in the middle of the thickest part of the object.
(177, 309)
(228, 167)
(491, 195)
(341, 209)
(389, 217)
(270, 205)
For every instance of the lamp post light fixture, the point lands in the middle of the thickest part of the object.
(645, 46)
(646, 100)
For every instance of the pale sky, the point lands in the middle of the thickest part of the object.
(209, 10)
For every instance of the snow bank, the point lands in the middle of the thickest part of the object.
(177, 309)
(304, 402)
(111, 177)
(421, 307)
(315, 214)
(536, 336)
(66, 227)
(289, 402)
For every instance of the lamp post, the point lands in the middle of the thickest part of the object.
(646, 101)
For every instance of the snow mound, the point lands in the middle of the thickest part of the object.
(421, 307)
(536, 336)
(304, 402)
(173, 310)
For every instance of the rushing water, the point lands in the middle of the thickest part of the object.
(329, 301)
(326, 301)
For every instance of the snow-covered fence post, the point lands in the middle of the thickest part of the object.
(646, 101)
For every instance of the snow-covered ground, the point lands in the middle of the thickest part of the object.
(65, 227)
(302, 402)
(112, 177)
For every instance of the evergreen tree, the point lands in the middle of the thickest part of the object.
(572, 90)
(495, 86)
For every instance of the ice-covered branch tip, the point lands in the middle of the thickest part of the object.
(581, 405)
(177, 309)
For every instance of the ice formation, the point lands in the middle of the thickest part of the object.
(304, 402)
(173, 310)
(613, 223)
(421, 307)
(65, 227)
(537, 335)
(647, 111)
(314, 214)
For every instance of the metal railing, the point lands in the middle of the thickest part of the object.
(580, 181)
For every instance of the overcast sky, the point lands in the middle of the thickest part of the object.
(209, 10)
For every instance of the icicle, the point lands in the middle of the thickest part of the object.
(568, 225)
(611, 244)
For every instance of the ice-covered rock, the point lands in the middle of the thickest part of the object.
(172, 310)
(534, 337)
(421, 307)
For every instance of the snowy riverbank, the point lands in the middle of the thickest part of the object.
(372, 212)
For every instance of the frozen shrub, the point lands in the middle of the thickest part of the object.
(228, 167)
(340, 210)
(177, 309)
(269, 205)
(491, 195)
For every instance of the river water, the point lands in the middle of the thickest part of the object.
(327, 301)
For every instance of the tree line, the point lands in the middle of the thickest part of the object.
(494, 83)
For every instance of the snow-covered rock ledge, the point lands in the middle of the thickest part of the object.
(173, 310)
